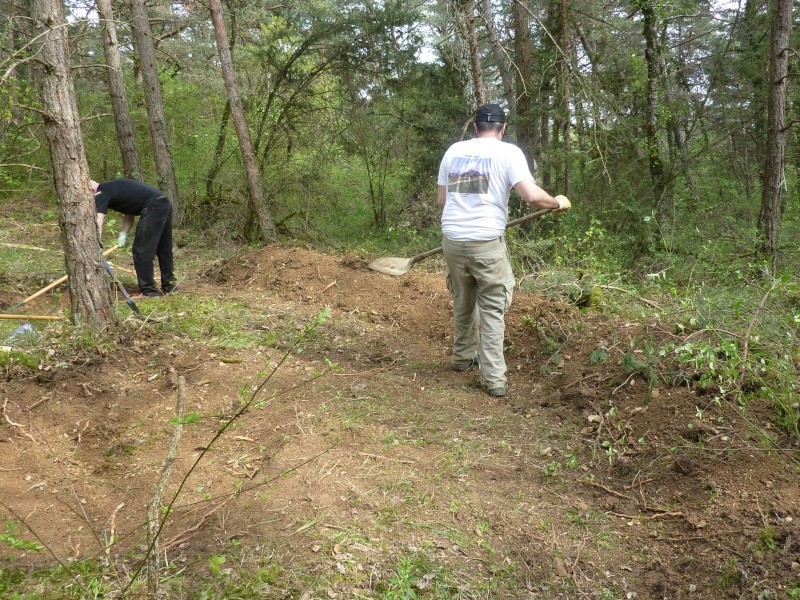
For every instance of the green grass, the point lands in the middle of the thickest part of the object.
(224, 324)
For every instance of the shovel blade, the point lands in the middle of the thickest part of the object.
(392, 266)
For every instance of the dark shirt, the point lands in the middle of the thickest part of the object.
(127, 196)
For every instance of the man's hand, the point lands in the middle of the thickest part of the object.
(122, 239)
(563, 204)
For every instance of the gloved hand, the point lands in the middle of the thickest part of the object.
(563, 204)
(122, 239)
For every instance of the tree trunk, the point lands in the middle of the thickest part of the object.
(653, 106)
(525, 124)
(154, 102)
(500, 56)
(774, 170)
(268, 232)
(466, 60)
(219, 149)
(563, 122)
(89, 290)
(468, 7)
(131, 162)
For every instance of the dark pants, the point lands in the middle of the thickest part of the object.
(154, 239)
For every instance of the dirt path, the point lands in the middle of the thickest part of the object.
(582, 482)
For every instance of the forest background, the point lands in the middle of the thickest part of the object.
(671, 125)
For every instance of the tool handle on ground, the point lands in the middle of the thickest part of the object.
(510, 224)
(56, 283)
(33, 317)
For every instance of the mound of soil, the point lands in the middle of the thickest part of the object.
(595, 476)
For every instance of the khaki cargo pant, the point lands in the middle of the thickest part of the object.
(480, 278)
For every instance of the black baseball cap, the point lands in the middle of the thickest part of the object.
(490, 113)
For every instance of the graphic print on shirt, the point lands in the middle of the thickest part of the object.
(469, 175)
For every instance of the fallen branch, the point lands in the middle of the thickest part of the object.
(184, 535)
(154, 507)
(750, 325)
(630, 293)
(13, 424)
(608, 490)
(399, 460)
(38, 402)
(661, 515)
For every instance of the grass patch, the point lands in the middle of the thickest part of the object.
(229, 325)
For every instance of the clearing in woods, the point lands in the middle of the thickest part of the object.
(387, 474)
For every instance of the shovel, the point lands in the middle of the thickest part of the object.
(122, 289)
(56, 283)
(400, 266)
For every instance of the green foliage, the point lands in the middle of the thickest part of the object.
(713, 365)
(11, 538)
(634, 363)
(598, 356)
(416, 577)
(224, 324)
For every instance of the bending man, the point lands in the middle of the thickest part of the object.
(475, 178)
(153, 236)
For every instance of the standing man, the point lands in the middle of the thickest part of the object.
(475, 178)
(153, 233)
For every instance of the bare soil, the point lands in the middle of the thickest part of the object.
(586, 481)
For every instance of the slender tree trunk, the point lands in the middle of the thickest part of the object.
(525, 120)
(154, 101)
(266, 224)
(653, 105)
(774, 170)
(219, 149)
(468, 6)
(563, 122)
(464, 57)
(89, 290)
(500, 56)
(544, 136)
(131, 162)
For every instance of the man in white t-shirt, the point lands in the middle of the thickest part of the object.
(475, 178)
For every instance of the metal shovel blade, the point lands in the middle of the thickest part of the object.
(391, 265)
(400, 266)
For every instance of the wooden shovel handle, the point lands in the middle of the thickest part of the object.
(33, 317)
(56, 283)
(510, 224)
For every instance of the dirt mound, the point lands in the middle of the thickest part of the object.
(595, 476)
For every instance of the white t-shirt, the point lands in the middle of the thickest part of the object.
(479, 174)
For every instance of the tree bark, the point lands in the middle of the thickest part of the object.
(525, 123)
(468, 7)
(255, 195)
(131, 162)
(154, 102)
(89, 290)
(466, 61)
(774, 170)
(562, 118)
(219, 149)
(500, 56)
(655, 161)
